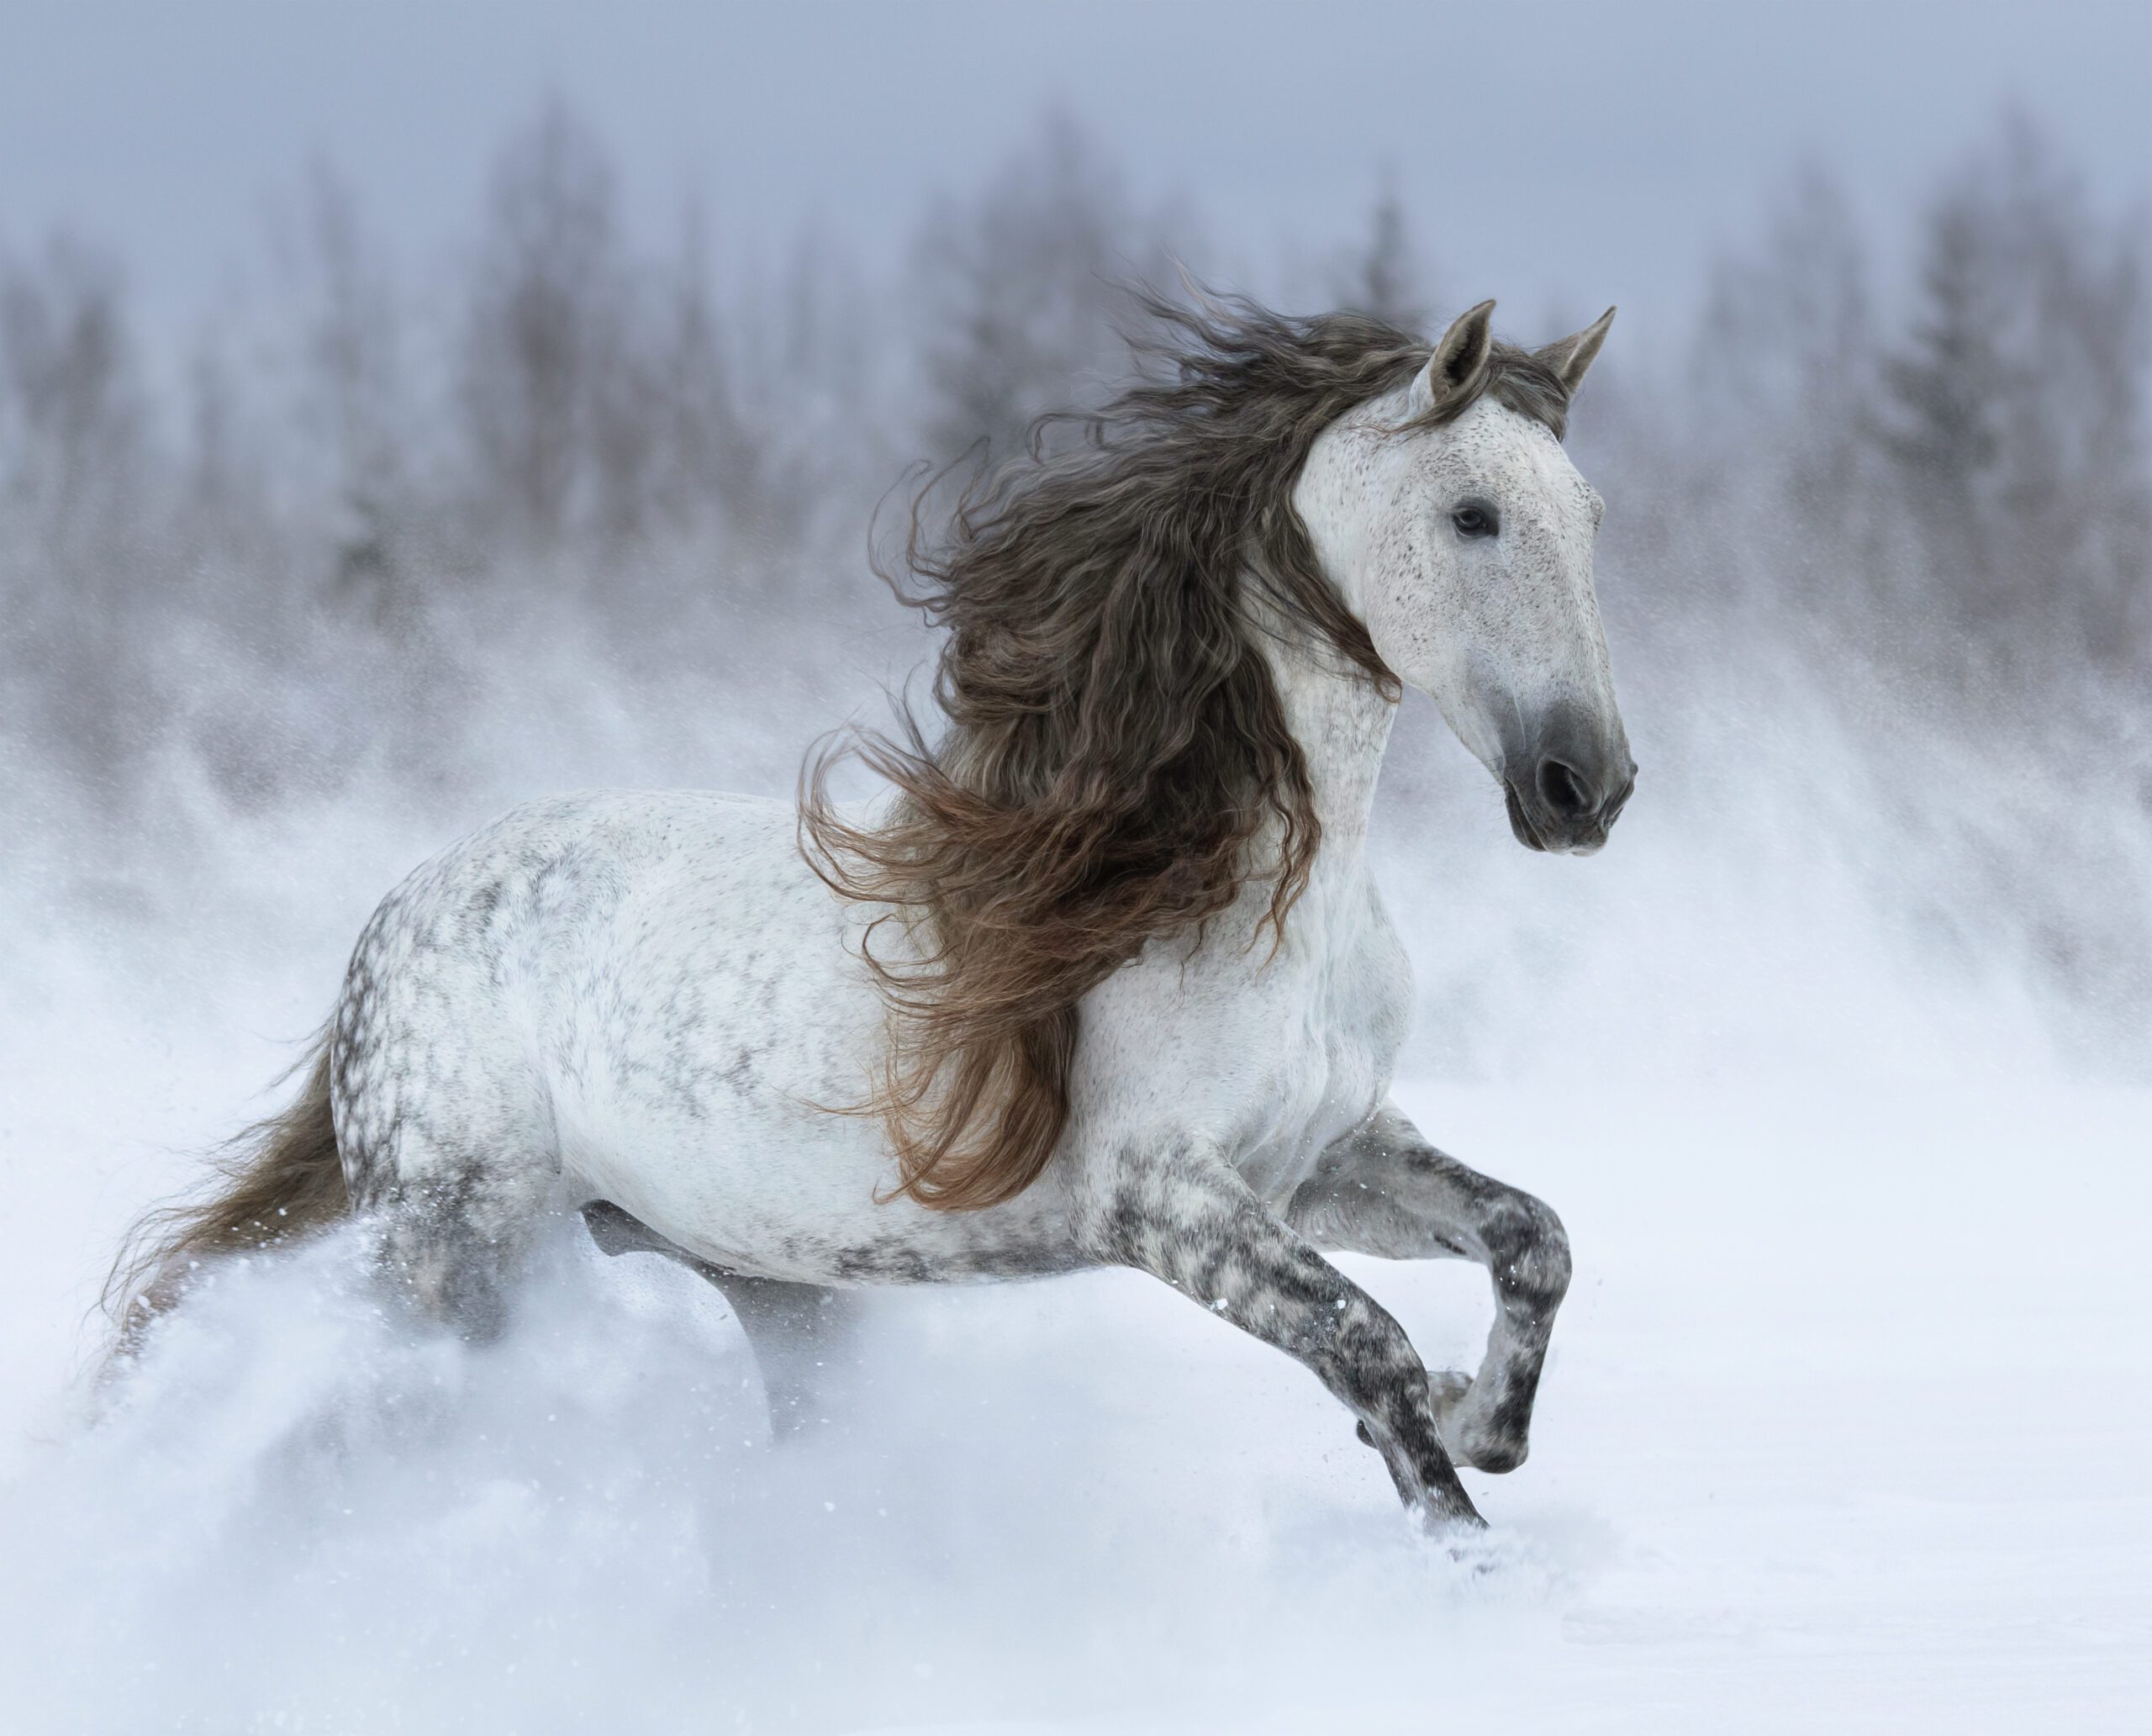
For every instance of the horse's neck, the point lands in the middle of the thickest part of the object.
(1342, 723)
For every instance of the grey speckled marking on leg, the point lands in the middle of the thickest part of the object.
(1183, 1215)
(1384, 1190)
(453, 1233)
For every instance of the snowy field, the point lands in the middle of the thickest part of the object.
(1845, 1427)
(398, 424)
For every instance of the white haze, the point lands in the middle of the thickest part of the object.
(1843, 1426)
(1835, 1063)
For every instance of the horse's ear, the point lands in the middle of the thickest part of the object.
(1571, 355)
(1453, 371)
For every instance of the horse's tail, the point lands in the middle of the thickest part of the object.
(276, 1180)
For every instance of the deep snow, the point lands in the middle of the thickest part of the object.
(1845, 1427)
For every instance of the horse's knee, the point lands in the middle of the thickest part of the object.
(1528, 1251)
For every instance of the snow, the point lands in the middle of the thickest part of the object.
(1844, 1427)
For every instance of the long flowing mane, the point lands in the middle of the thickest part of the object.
(1115, 748)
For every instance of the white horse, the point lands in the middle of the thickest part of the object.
(1108, 983)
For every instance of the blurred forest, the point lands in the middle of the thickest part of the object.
(1877, 567)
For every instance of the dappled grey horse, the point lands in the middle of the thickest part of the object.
(1105, 979)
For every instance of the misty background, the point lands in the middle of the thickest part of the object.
(371, 466)
(409, 411)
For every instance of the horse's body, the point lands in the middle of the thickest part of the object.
(650, 999)
(655, 1008)
(647, 999)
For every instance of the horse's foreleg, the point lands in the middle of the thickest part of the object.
(1383, 1189)
(798, 1333)
(1186, 1217)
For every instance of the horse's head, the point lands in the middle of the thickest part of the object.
(1455, 527)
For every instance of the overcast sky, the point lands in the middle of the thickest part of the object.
(1550, 154)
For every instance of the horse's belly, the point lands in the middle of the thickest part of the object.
(803, 1198)
(710, 1061)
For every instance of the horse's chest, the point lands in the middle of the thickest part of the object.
(1272, 1054)
(1338, 1030)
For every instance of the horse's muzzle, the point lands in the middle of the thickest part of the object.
(1565, 801)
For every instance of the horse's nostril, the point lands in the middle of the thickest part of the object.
(1565, 790)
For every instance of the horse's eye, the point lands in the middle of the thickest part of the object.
(1475, 518)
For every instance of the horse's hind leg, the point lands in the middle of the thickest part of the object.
(456, 1226)
(797, 1332)
(445, 1132)
(454, 1264)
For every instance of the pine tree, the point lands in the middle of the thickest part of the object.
(1385, 278)
(1945, 383)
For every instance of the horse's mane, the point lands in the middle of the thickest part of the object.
(1116, 743)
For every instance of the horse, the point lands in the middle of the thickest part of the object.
(1102, 978)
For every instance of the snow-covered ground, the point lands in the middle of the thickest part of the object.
(1847, 1424)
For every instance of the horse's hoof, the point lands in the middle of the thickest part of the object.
(1449, 1511)
(1446, 1389)
(1497, 1458)
(1472, 1441)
